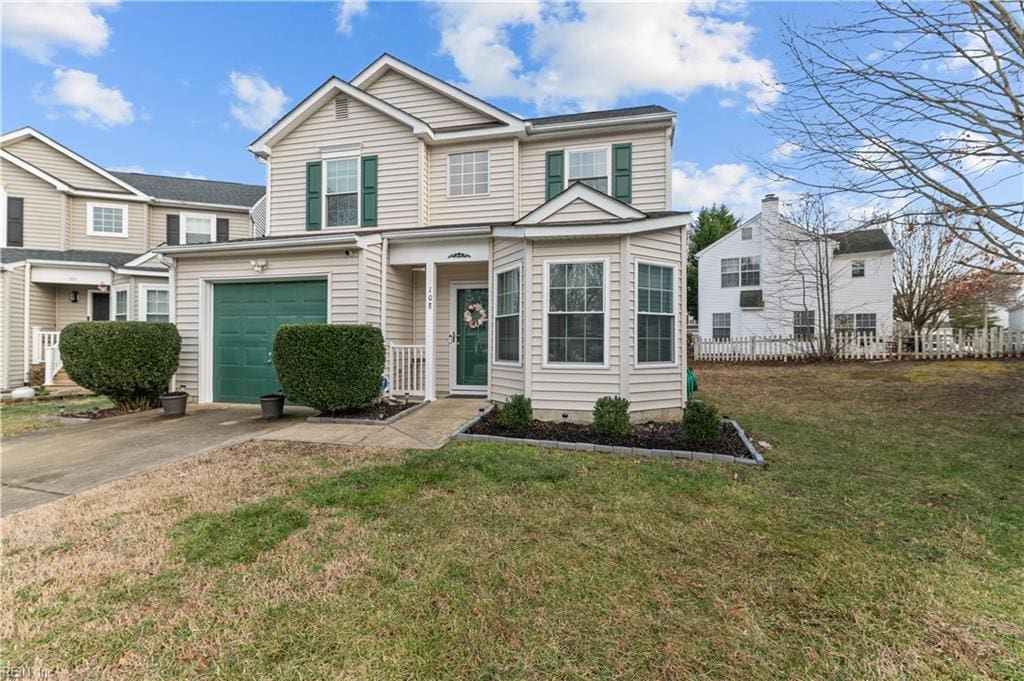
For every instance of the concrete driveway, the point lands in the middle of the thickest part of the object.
(41, 467)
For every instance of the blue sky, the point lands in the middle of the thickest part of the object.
(182, 88)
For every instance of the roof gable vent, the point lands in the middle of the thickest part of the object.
(341, 108)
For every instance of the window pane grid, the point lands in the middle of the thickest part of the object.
(107, 220)
(507, 328)
(730, 272)
(198, 230)
(656, 318)
(158, 306)
(120, 306)
(343, 192)
(750, 271)
(589, 166)
(721, 326)
(576, 313)
(467, 173)
(803, 323)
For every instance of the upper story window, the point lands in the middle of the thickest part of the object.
(198, 228)
(467, 173)
(750, 271)
(730, 272)
(576, 295)
(857, 268)
(589, 166)
(341, 179)
(747, 233)
(105, 220)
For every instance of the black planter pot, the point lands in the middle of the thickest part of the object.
(174, 404)
(272, 406)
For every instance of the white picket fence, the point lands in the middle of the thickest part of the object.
(849, 346)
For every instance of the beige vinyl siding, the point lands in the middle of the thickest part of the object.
(370, 280)
(44, 206)
(134, 284)
(496, 205)
(42, 304)
(574, 388)
(430, 106)
(507, 380)
(393, 143)
(135, 225)
(238, 222)
(655, 388)
(649, 185)
(12, 345)
(61, 166)
(578, 210)
(343, 294)
(68, 312)
(446, 275)
(402, 316)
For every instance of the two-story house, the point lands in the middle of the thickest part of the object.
(76, 244)
(499, 255)
(764, 278)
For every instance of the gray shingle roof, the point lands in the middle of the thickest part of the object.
(194, 191)
(10, 255)
(863, 241)
(599, 115)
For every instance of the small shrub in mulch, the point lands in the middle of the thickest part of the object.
(378, 412)
(650, 435)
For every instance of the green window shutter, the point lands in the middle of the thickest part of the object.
(622, 172)
(314, 200)
(555, 174)
(369, 174)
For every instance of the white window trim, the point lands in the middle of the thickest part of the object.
(127, 304)
(182, 231)
(144, 290)
(448, 174)
(89, 219)
(738, 272)
(577, 366)
(608, 167)
(494, 340)
(637, 364)
(359, 191)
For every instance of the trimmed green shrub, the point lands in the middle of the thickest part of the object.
(611, 416)
(330, 367)
(701, 422)
(130, 362)
(516, 413)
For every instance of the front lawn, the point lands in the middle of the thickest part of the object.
(885, 540)
(24, 417)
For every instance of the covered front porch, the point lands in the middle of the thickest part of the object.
(436, 316)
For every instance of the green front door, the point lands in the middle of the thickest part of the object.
(470, 337)
(245, 320)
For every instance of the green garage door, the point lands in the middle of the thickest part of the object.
(245, 319)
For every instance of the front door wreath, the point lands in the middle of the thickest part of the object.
(475, 316)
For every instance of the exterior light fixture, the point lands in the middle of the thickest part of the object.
(73, 296)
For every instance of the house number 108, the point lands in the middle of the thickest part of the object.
(430, 298)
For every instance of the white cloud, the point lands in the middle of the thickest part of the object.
(593, 54)
(734, 184)
(90, 101)
(257, 103)
(348, 10)
(39, 29)
(784, 150)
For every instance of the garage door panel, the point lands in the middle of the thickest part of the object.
(246, 319)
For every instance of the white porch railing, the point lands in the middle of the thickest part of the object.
(406, 369)
(41, 340)
(847, 346)
(54, 364)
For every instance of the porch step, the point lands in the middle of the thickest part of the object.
(62, 380)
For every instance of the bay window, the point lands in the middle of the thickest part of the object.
(576, 300)
(656, 318)
(507, 297)
(154, 303)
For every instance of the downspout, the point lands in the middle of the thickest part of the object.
(172, 280)
(26, 347)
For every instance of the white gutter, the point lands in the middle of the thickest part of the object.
(138, 273)
(299, 242)
(538, 128)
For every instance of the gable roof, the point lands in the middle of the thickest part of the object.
(27, 131)
(387, 62)
(191, 190)
(578, 191)
(650, 109)
(863, 241)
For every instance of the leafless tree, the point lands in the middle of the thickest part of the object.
(919, 107)
(927, 263)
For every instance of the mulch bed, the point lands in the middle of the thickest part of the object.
(377, 412)
(650, 435)
(94, 414)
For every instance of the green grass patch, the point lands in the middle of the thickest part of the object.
(239, 535)
(18, 418)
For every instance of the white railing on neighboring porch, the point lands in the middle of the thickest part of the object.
(406, 369)
(54, 364)
(41, 340)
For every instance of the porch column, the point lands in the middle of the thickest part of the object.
(429, 298)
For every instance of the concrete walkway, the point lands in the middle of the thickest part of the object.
(426, 428)
(41, 467)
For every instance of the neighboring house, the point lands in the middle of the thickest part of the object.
(76, 243)
(755, 282)
(499, 255)
(1015, 318)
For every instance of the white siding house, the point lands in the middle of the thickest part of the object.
(754, 282)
